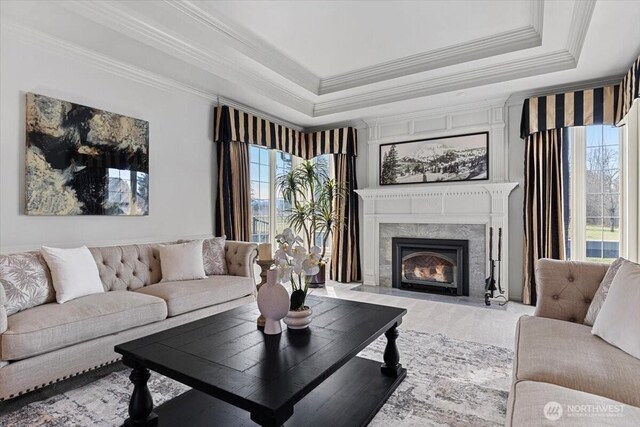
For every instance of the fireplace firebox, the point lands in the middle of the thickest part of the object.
(431, 265)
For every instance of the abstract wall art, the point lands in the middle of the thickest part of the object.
(84, 161)
(446, 159)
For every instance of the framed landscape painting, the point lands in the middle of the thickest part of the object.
(446, 159)
(84, 161)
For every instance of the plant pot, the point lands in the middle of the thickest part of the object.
(298, 319)
(318, 280)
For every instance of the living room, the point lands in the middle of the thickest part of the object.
(334, 213)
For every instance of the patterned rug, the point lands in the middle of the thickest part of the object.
(449, 382)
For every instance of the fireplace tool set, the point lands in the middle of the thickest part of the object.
(490, 287)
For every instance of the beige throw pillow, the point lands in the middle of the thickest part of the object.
(601, 293)
(73, 271)
(182, 261)
(618, 320)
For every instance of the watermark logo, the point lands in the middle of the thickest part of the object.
(553, 411)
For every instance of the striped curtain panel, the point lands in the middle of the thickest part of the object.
(628, 91)
(345, 256)
(543, 204)
(233, 201)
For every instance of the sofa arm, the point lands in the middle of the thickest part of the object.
(240, 256)
(565, 288)
(3, 311)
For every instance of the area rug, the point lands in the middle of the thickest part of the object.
(449, 382)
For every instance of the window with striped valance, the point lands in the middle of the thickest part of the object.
(231, 124)
(543, 121)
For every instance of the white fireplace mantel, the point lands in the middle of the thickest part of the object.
(469, 203)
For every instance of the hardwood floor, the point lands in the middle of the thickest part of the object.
(463, 321)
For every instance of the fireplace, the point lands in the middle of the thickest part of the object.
(431, 265)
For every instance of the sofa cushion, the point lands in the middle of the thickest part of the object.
(26, 281)
(528, 399)
(567, 354)
(189, 295)
(52, 326)
(127, 267)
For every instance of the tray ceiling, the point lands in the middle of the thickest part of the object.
(315, 63)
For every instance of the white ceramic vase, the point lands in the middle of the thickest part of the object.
(273, 303)
(298, 319)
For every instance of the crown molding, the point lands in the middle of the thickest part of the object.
(561, 60)
(252, 46)
(484, 47)
(121, 69)
(535, 65)
(580, 20)
(125, 22)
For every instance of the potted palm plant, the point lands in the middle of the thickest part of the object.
(312, 196)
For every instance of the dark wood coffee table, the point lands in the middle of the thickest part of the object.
(304, 378)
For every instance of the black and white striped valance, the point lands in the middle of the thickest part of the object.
(629, 90)
(231, 124)
(579, 108)
(334, 141)
(606, 105)
(235, 125)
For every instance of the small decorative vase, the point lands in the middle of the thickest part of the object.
(273, 303)
(298, 319)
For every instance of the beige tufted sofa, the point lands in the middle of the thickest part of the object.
(50, 342)
(557, 359)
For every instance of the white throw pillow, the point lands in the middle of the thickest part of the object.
(182, 261)
(618, 320)
(74, 272)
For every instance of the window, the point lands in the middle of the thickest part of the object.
(284, 164)
(261, 184)
(594, 193)
(269, 210)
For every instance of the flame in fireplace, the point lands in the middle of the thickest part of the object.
(428, 267)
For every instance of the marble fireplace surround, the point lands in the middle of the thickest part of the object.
(428, 209)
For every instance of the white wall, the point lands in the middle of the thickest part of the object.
(516, 200)
(181, 151)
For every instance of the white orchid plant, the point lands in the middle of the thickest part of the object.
(296, 265)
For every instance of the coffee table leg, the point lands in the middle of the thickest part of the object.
(391, 364)
(141, 404)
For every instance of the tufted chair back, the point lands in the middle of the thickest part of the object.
(127, 267)
(565, 288)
